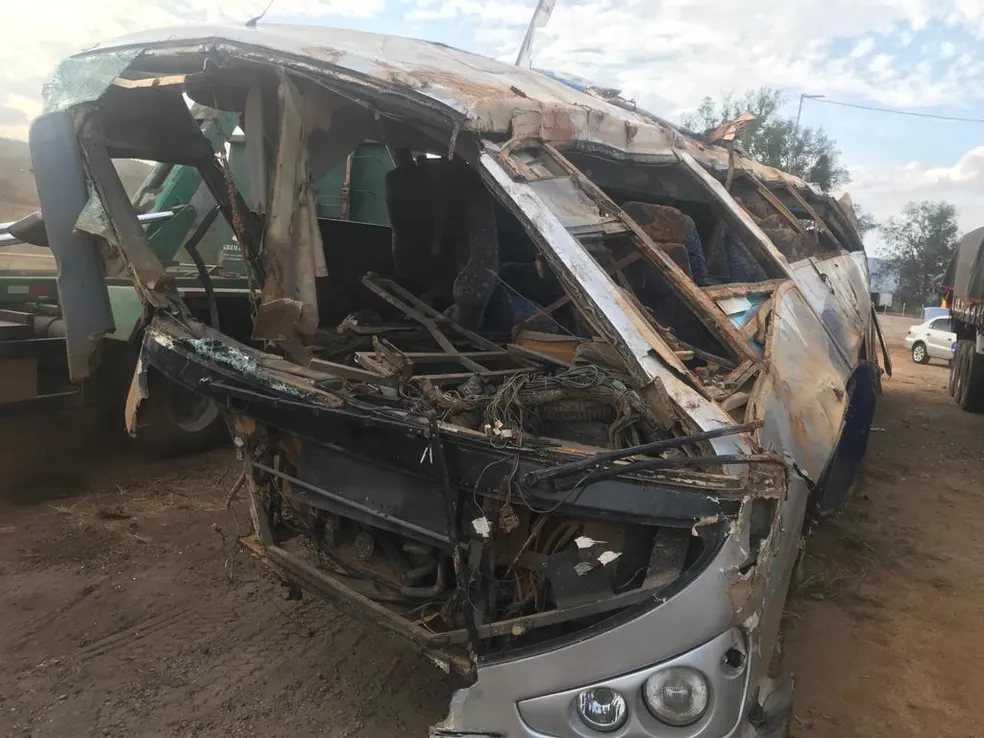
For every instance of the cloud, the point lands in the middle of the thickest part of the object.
(49, 30)
(668, 54)
(864, 47)
(969, 14)
(883, 191)
(665, 53)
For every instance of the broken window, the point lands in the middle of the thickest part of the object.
(800, 224)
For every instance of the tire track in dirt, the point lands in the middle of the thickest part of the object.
(160, 629)
(125, 637)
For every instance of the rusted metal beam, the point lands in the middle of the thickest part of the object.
(429, 318)
(411, 312)
(348, 600)
(813, 214)
(436, 357)
(778, 204)
(677, 279)
(261, 524)
(459, 377)
(354, 373)
(591, 462)
(752, 234)
(602, 304)
(742, 289)
(531, 355)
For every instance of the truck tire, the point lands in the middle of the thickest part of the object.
(955, 369)
(968, 377)
(175, 421)
(951, 384)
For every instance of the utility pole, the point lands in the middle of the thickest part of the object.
(540, 17)
(799, 112)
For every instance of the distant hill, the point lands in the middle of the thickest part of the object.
(18, 197)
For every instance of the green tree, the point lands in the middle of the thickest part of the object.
(920, 244)
(774, 140)
(866, 221)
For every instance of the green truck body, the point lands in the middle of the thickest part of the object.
(33, 373)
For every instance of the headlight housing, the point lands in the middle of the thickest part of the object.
(602, 709)
(677, 696)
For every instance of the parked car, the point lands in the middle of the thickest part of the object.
(932, 339)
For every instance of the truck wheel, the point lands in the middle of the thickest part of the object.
(952, 365)
(176, 421)
(969, 390)
(956, 364)
(919, 353)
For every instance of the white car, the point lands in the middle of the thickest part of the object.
(933, 339)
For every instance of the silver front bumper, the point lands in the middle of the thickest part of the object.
(532, 696)
(555, 715)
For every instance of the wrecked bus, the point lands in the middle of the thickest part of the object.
(562, 425)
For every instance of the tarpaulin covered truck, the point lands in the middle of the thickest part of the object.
(963, 286)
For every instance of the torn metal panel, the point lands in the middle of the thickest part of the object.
(849, 284)
(62, 186)
(802, 398)
(94, 220)
(752, 230)
(613, 314)
(837, 292)
(289, 306)
(846, 205)
(135, 396)
(457, 89)
(150, 277)
(730, 130)
(259, 118)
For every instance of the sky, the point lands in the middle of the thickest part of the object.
(917, 55)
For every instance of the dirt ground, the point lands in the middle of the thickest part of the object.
(886, 635)
(127, 611)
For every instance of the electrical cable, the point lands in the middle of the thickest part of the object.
(891, 111)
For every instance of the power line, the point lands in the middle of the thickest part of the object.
(896, 112)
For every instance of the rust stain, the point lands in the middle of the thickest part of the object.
(244, 425)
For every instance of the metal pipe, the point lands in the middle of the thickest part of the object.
(353, 505)
(419, 572)
(426, 593)
(451, 499)
(8, 240)
(191, 246)
(542, 475)
(49, 326)
(676, 462)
